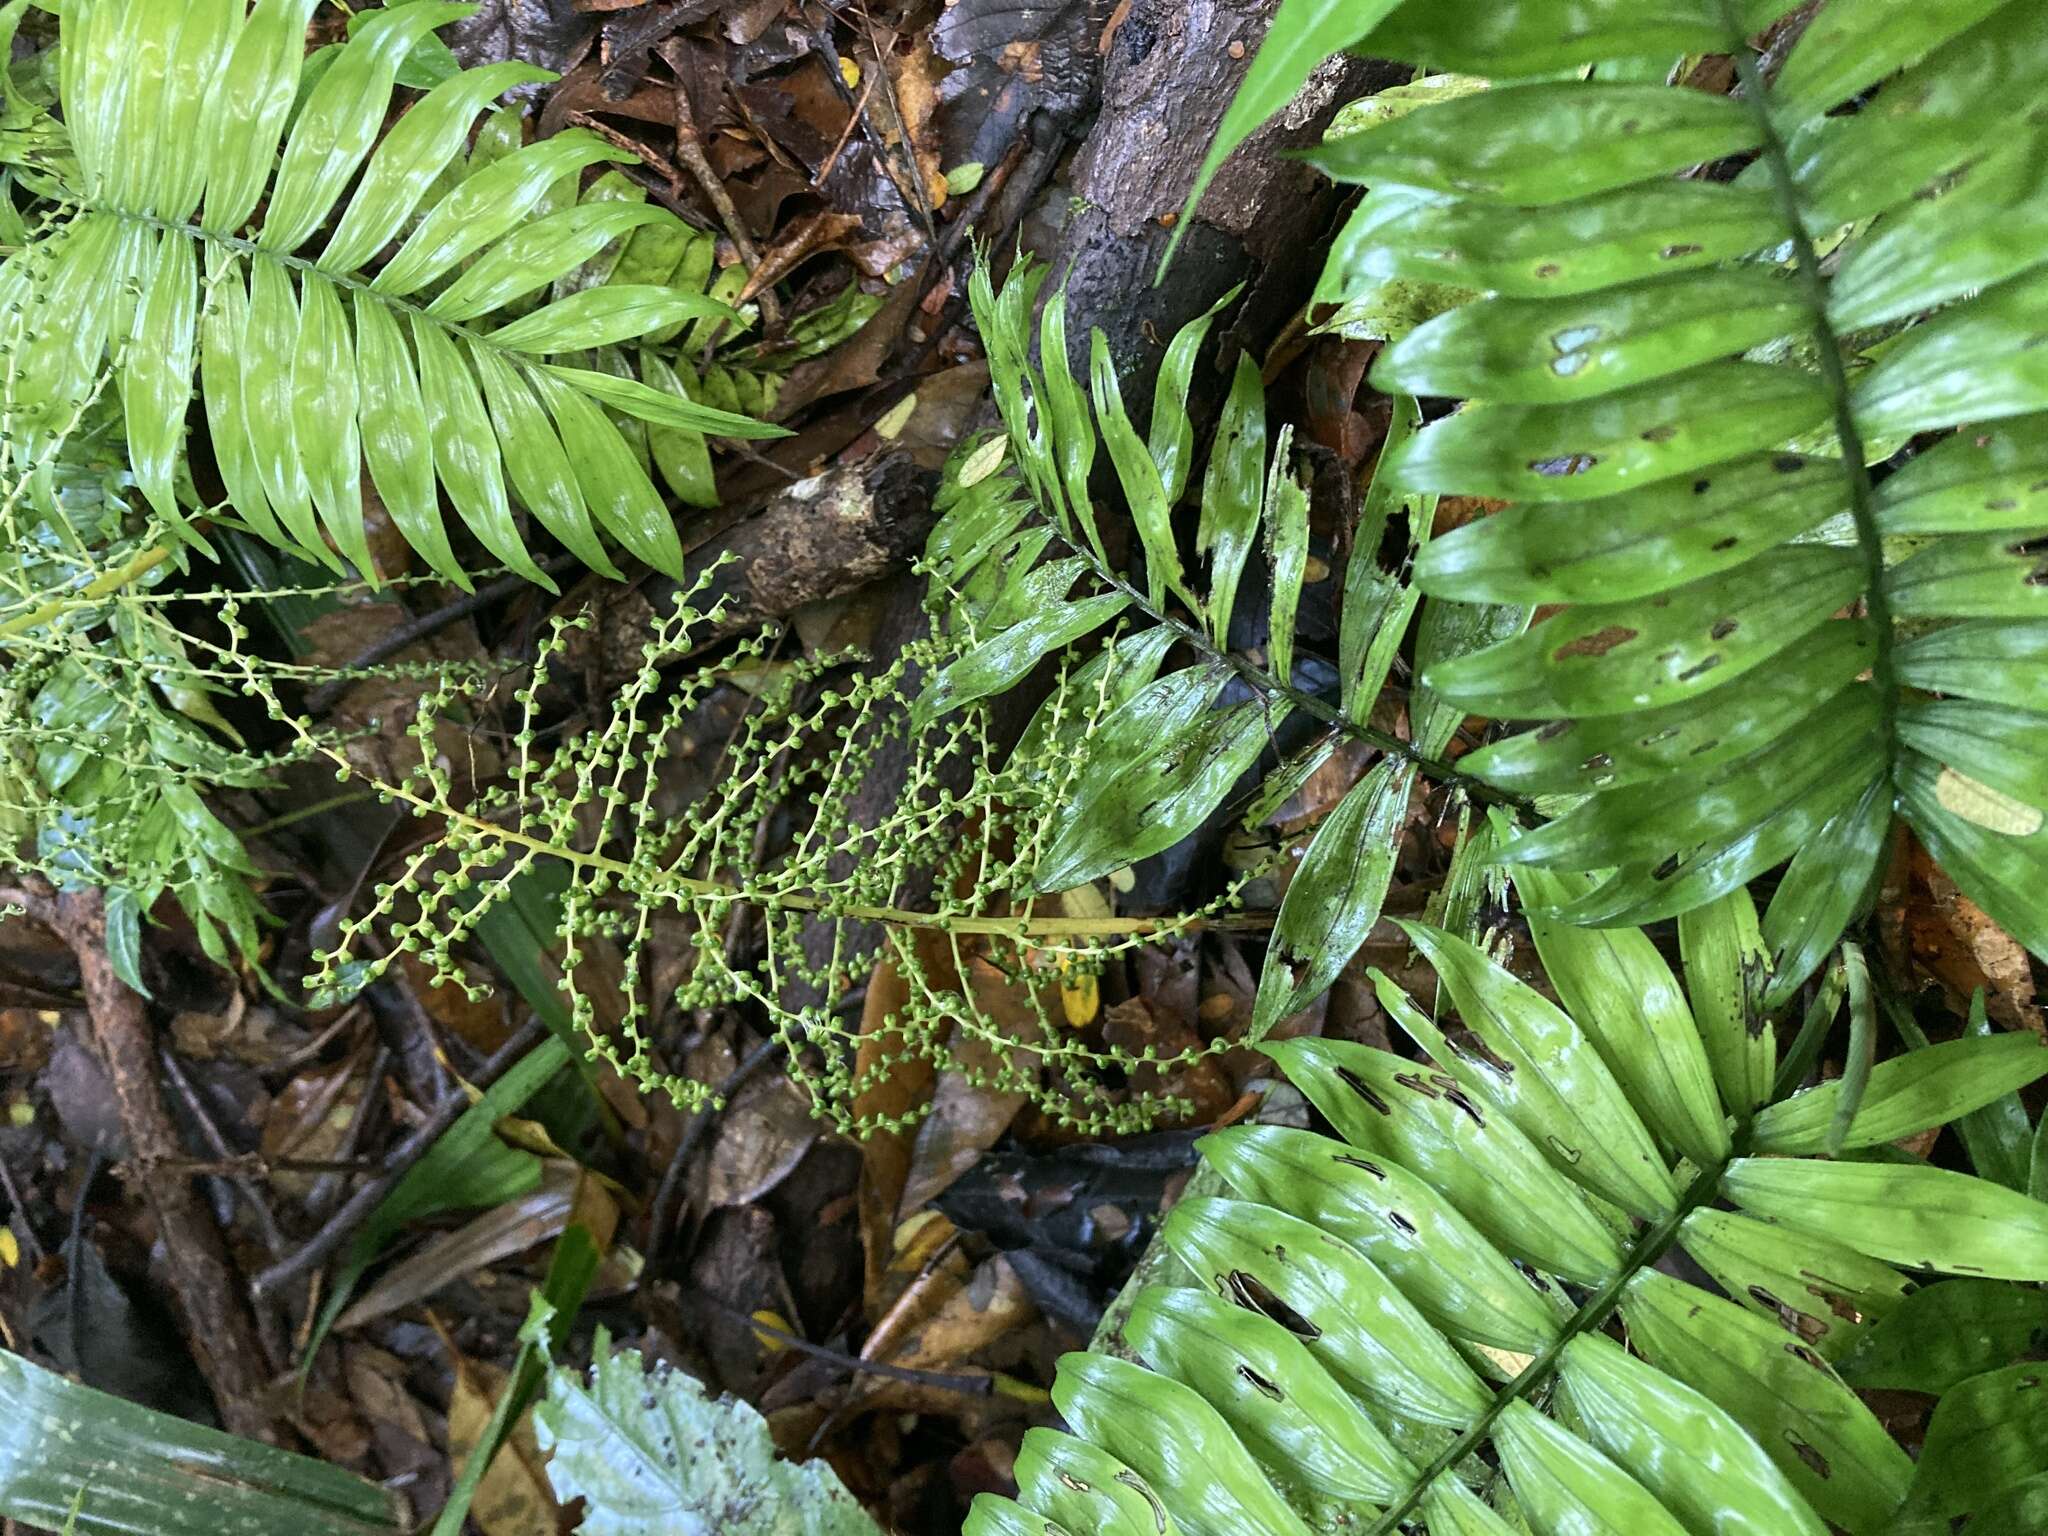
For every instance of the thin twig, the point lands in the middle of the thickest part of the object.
(853, 120)
(35, 1247)
(951, 1381)
(327, 1188)
(342, 1225)
(690, 151)
(413, 631)
(229, 1164)
(662, 1216)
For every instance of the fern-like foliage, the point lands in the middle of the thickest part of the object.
(1768, 439)
(226, 224)
(112, 731)
(1173, 742)
(1412, 1326)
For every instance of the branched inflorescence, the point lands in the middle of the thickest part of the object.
(791, 882)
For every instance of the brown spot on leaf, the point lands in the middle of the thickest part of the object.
(1359, 1162)
(1261, 1384)
(1252, 1293)
(1359, 1086)
(1599, 643)
(1816, 1463)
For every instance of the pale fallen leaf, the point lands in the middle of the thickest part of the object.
(514, 1498)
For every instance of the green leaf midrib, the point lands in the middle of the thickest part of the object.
(1650, 1247)
(1656, 1241)
(352, 282)
(1834, 377)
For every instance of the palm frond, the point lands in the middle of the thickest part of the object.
(224, 228)
(1362, 1318)
(1774, 441)
(1163, 747)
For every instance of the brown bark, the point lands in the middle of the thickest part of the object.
(1169, 78)
(218, 1325)
(823, 537)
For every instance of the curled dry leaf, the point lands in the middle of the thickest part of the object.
(968, 1115)
(514, 1498)
(517, 1225)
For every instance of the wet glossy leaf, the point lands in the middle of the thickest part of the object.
(1285, 1407)
(1154, 772)
(1540, 1068)
(1907, 1094)
(1617, 988)
(1563, 249)
(1537, 37)
(1678, 1444)
(1177, 1443)
(1334, 898)
(1565, 1484)
(1440, 1260)
(1635, 544)
(1424, 1120)
(1001, 660)
(1942, 1334)
(1232, 491)
(1351, 1317)
(1912, 1216)
(1145, 488)
(1824, 1292)
(1541, 144)
(1859, 42)
(1830, 1447)
(1725, 970)
(1086, 1489)
(1550, 351)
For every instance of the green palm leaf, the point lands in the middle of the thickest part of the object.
(1774, 647)
(1378, 1311)
(314, 363)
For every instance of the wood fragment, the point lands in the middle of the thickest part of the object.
(215, 1316)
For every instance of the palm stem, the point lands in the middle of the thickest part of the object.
(1266, 683)
(1813, 293)
(1654, 1243)
(107, 582)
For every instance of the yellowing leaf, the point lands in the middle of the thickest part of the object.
(767, 1317)
(1986, 807)
(1080, 997)
(983, 462)
(896, 418)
